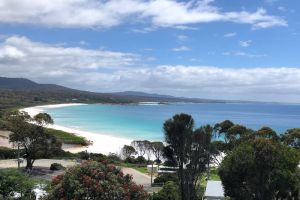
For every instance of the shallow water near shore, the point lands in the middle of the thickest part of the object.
(145, 121)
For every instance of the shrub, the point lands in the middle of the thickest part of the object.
(168, 192)
(95, 180)
(98, 157)
(130, 160)
(14, 182)
(140, 160)
(8, 153)
(166, 178)
(2, 124)
(56, 166)
(114, 158)
(84, 155)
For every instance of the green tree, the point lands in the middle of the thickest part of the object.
(168, 192)
(95, 180)
(157, 149)
(190, 149)
(232, 134)
(14, 182)
(267, 132)
(128, 151)
(141, 146)
(260, 169)
(292, 138)
(29, 134)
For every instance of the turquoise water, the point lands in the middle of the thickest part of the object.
(145, 121)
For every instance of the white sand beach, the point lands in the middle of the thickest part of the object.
(101, 142)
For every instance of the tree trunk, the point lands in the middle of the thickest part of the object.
(29, 163)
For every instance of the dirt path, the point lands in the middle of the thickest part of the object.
(141, 179)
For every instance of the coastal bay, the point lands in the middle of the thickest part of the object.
(110, 126)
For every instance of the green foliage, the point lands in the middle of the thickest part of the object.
(157, 149)
(129, 160)
(166, 178)
(56, 166)
(7, 153)
(34, 139)
(95, 180)
(84, 155)
(113, 158)
(43, 119)
(168, 192)
(68, 138)
(267, 132)
(13, 181)
(128, 151)
(260, 169)
(292, 138)
(190, 149)
(141, 146)
(140, 160)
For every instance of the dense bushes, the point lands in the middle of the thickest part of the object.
(14, 182)
(95, 180)
(261, 169)
(168, 192)
(139, 160)
(166, 178)
(56, 166)
(8, 153)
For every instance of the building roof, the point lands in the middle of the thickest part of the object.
(214, 189)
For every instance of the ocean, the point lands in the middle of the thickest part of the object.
(145, 121)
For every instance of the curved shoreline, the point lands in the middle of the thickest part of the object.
(102, 143)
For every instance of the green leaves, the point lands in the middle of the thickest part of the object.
(29, 135)
(13, 181)
(95, 180)
(260, 169)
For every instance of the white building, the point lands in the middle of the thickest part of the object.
(214, 191)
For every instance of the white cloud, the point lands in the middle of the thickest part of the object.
(106, 71)
(244, 54)
(246, 43)
(281, 8)
(182, 38)
(18, 51)
(227, 35)
(83, 43)
(106, 14)
(181, 48)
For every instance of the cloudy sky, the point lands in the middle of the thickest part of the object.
(220, 49)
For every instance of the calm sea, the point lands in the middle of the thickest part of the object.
(145, 121)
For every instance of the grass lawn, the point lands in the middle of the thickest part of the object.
(68, 138)
(142, 169)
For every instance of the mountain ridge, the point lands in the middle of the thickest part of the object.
(23, 85)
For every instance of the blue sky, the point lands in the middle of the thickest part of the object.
(221, 49)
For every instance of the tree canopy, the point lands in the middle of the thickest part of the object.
(190, 149)
(292, 138)
(128, 151)
(260, 169)
(29, 134)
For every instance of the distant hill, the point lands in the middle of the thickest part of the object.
(20, 92)
(25, 84)
(166, 98)
(52, 91)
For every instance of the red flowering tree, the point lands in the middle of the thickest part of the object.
(95, 180)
